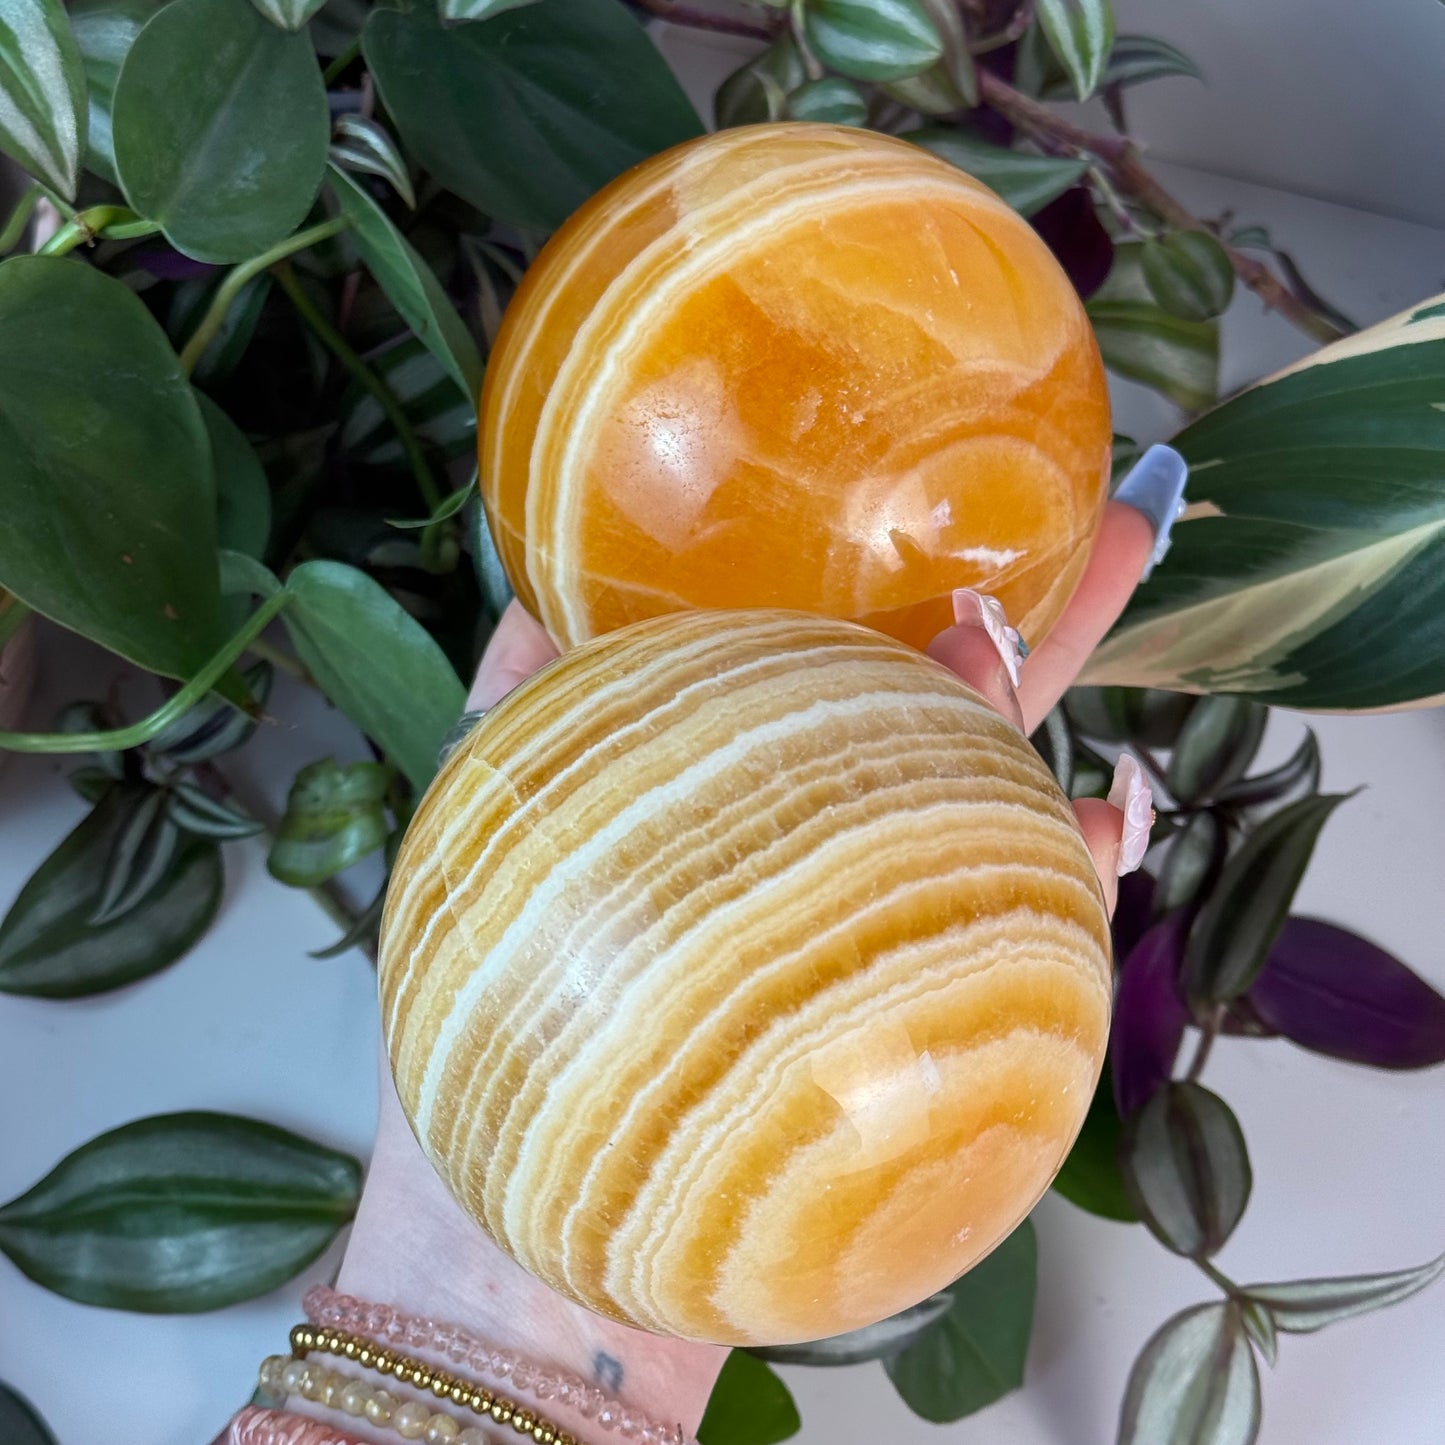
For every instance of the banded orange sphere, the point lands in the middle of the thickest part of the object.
(801, 366)
(745, 976)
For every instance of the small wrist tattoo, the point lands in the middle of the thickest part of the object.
(608, 1370)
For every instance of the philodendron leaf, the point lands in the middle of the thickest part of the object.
(1026, 182)
(375, 662)
(221, 128)
(749, 1405)
(335, 816)
(1238, 926)
(1330, 990)
(1090, 1175)
(1081, 35)
(109, 522)
(1306, 1305)
(872, 39)
(459, 10)
(872, 1342)
(830, 101)
(1196, 1383)
(1215, 747)
(1149, 1015)
(42, 93)
(49, 948)
(1189, 274)
(105, 30)
(20, 1424)
(758, 90)
(180, 1213)
(975, 1354)
(575, 86)
(1142, 341)
(288, 14)
(410, 286)
(243, 497)
(1310, 568)
(1186, 1168)
(359, 143)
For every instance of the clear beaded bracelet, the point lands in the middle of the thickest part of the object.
(325, 1306)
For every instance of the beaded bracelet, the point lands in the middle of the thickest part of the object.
(340, 1391)
(384, 1322)
(420, 1376)
(256, 1425)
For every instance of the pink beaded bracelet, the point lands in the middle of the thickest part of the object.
(325, 1306)
(257, 1426)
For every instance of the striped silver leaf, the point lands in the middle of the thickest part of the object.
(1081, 35)
(42, 92)
(1309, 570)
(359, 143)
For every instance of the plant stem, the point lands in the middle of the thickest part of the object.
(88, 226)
(1208, 1032)
(1119, 157)
(708, 20)
(19, 219)
(118, 739)
(386, 398)
(238, 276)
(338, 65)
(1218, 1276)
(279, 658)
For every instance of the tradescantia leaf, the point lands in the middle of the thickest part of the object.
(759, 90)
(950, 84)
(43, 114)
(1189, 274)
(180, 1213)
(141, 854)
(221, 127)
(459, 10)
(109, 518)
(50, 949)
(335, 816)
(1297, 778)
(213, 726)
(1186, 1168)
(1260, 1327)
(1215, 747)
(873, 1342)
(1331, 991)
(105, 30)
(1129, 714)
(1026, 182)
(288, 14)
(749, 1405)
(1192, 864)
(1306, 1305)
(1081, 35)
(1142, 341)
(872, 39)
(199, 813)
(1196, 1383)
(1133, 60)
(831, 101)
(20, 1424)
(492, 580)
(375, 662)
(1238, 926)
(359, 143)
(1090, 1175)
(575, 86)
(439, 414)
(1149, 1015)
(1310, 569)
(410, 285)
(975, 1354)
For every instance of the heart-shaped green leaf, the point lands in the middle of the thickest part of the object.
(19, 1422)
(1090, 1175)
(1310, 570)
(335, 816)
(872, 39)
(872, 1342)
(1196, 1383)
(49, 948)
(243, 497)
(1026, 182)
(1189, 274)
(375, 662)
(575, 86)
(105, 30)
(221, 128)
(1186, 1168)
(749, 1405)
(1305, 1305)
(42, 93)
(975, 1354)
(109, 518)
(1081, 35)
(410, 286)
(180, 1213)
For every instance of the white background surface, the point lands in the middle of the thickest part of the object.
(1349, 1164)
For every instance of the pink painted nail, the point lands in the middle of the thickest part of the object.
(978, 609)
(1130, 794)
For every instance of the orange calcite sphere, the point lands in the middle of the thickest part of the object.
(800, 366)
(745, 976)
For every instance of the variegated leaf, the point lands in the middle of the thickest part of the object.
(288, 14)
(1081, 34)
(1306, 1305)
(361, 144)
(42, 92)
(456, 10)
(1309, 570)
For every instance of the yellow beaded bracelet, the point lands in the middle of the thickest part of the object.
(422, 1376)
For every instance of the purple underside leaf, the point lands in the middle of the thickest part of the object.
(1149, 1015)
(1332, 991)
(1133, 913)
(1071, 229)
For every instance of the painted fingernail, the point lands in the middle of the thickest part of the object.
(1155, 486)
(978, 609)
(1130, 794)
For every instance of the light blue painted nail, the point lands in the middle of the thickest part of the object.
(1155, 486)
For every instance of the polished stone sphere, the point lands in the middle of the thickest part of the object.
(745, 976)
(800, 366)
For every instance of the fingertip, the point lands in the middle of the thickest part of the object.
(1102, 825)
(967, 652)
(518, 647)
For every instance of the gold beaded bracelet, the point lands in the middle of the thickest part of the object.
(421, 1376)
